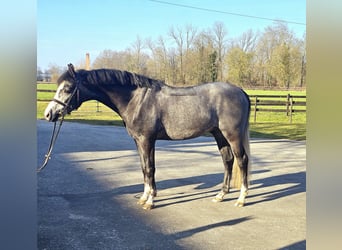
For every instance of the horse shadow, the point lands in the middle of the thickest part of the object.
(205, 186)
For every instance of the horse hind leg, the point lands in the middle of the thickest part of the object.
(241, 163)
(239, 143)
(228, 159)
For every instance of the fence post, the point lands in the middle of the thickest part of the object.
(287, 104)
(98, 106)
(255, 108)
(291, 107)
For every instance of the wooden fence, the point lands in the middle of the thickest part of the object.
(287, 104)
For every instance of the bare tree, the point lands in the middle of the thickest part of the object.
(241, 59)
(178, 37)
(279, 56)
(186, 56)
(163, 55)
(184, 40)
(111, 59)
(158, 61)
(55, 71)
(247, 41)
(219, 35)
(40, 74)
(138, 59)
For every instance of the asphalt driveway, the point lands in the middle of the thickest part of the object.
(87, 194)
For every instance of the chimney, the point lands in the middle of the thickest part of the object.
(87, 61)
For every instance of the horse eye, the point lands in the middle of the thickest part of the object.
(68, 89)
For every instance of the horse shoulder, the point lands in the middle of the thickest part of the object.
(141, 114)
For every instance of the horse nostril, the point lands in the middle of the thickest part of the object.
(48, 115)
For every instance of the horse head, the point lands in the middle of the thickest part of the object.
(66, 98)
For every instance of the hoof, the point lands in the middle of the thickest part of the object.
(239, 204)
(217, 199)
(141, 202)
(148, 206)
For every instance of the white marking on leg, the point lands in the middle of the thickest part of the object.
(219, 197)
(150, 200)
(243, 193)
(145, 195)
(146, 191)
(149, 203)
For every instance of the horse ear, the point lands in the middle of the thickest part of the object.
(71, 70)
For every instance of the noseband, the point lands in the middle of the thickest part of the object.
(66, 104)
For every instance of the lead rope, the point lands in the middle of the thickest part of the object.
(52, 143)
(54, 135)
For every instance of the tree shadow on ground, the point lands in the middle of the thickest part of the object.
(190, 232)
(295, 246)
(297, 179)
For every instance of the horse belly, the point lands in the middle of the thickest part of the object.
(187, 120)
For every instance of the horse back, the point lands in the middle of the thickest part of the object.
(190, 112)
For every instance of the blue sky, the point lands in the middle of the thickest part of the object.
(67, 30)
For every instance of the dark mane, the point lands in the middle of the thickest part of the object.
(111, 77)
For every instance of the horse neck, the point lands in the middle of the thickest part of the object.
(115, 97)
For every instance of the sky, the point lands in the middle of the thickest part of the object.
(67, 30)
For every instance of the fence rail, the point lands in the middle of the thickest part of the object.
(287, 104)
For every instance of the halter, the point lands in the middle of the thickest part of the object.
(65, 105)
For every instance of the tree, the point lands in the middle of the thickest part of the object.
(279, 57)
(187, 56)
(241, 59)
(137, 59)
(163, 58)
(213, 68)
(40, 75)
(153, 64)
(55, 71)
(247, 41)
(239, 66)
(219, 33)
(184, 40)
(110, 59)
(204, 58)
(178, 37)
(280, 67)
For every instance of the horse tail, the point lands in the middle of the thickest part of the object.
(236, 179)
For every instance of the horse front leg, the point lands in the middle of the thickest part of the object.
(146, 151)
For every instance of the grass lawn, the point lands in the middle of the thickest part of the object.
(270, 125)
(292, 131)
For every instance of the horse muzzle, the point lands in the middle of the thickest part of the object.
(51, 116)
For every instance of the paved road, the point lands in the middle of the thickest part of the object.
(87, 194)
